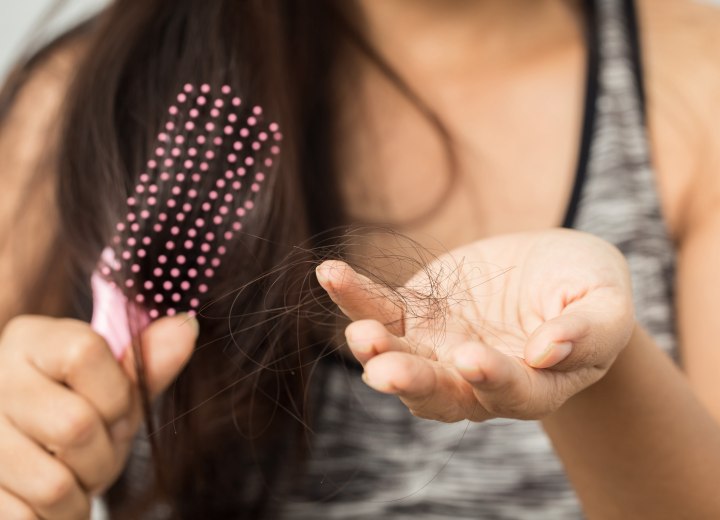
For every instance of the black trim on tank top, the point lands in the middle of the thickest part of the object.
(633, 31)
(592, 43)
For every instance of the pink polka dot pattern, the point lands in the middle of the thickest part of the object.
(179, 222)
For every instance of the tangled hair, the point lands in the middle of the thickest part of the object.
(227, 437)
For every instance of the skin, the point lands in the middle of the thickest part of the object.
(482, 65)
(499, 331)
(75, 410)
(654, 448)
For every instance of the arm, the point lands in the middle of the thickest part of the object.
(32, 279)
(644, 442)
(638, 444)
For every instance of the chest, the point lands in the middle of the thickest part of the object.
(469, 157)
(476, 157)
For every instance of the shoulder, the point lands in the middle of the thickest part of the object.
(31, 112)
(33, 98)
(681, 51)
(681, 44)
(31, 107)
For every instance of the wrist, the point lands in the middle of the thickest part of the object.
(617, 382)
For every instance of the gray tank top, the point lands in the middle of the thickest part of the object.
(371, 459)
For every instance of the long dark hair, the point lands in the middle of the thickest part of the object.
(235, 454)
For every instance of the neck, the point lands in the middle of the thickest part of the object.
(442, 30)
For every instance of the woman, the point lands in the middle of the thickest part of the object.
(525, 116)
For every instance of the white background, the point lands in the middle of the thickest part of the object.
(17, 18)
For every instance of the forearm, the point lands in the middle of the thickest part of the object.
(638, 444)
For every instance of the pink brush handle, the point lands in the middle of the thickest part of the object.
(110, 314)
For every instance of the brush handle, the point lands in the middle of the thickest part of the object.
(110, 314)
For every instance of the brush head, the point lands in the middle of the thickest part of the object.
(185, 212)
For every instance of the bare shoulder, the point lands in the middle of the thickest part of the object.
(29, 132)
(688, 19)
(681, 51)
(681, 43)
(29, 129)
(35, 109)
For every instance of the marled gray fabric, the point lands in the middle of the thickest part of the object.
(372, 460)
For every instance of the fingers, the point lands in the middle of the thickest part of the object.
(12, 507)
(168, 344)
(65, 424)
(479, 384)
(368, 338)
(69, 396)
(359, 297)
(78, 358)
(588, 333)
(429, 389)
(45, 484)
(73, 409)
(504, 385)
(553, 341)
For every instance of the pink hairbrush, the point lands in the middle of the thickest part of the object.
(179, 224)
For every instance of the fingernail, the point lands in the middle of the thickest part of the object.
(190, 321)
(553, 354)
(320, 275)
(120, 431)
(363, 347)
(386, 388)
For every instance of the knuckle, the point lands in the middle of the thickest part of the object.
(18, 327)
(18, 323)
(121, 400)
(77, 427)
(85, 349)
(57, 486)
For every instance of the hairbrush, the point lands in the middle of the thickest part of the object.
(179, 222)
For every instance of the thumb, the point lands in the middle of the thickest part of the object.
(588, 332)
(556, 340)
(167, 345)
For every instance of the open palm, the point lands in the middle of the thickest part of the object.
(510, 326)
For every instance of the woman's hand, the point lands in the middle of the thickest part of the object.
(506, 327)
(69, 410)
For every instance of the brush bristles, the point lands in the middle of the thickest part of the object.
(187, 208)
